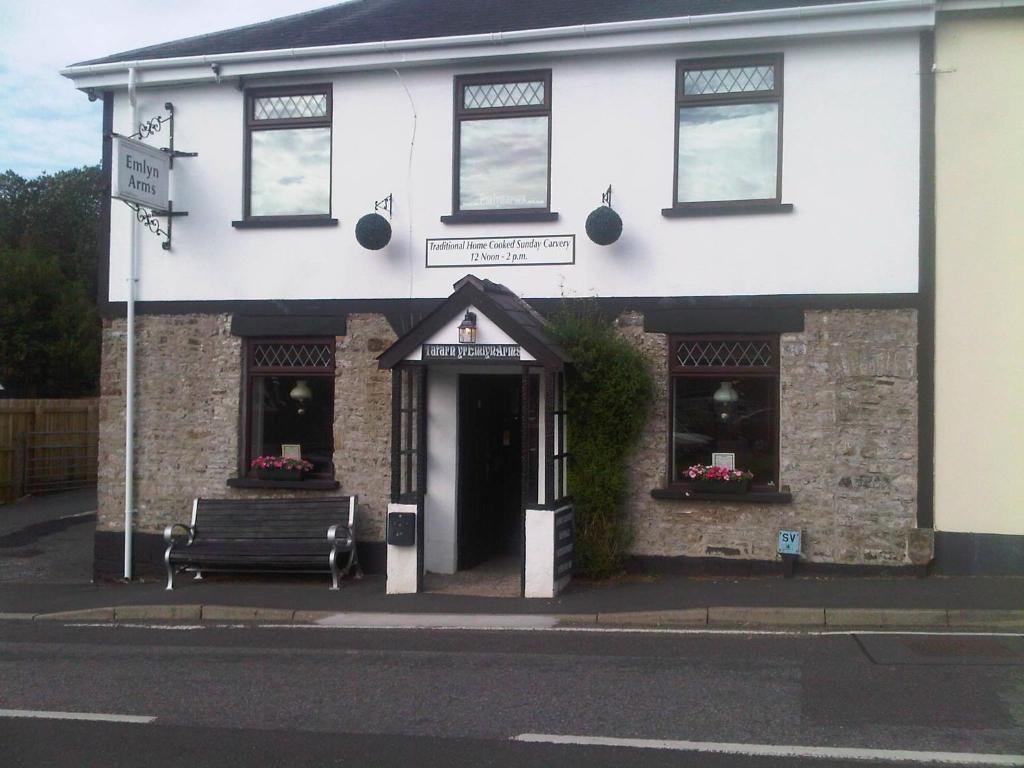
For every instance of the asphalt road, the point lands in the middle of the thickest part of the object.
(226, 696)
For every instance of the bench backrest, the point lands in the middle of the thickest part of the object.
(232, 519)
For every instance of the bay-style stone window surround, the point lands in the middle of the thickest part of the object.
(848, 455)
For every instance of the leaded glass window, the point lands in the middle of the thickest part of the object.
(728, 122)
(502, 140)
(290, 401)
(724, 400)
(288, 152)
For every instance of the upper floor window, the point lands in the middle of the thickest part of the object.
(728, 130)
(288, 152)
(502, 142)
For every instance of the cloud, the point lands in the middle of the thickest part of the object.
(47, 125)
(503, 163)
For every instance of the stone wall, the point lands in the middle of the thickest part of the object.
(848, 426)
(848, 437)
(188, 389)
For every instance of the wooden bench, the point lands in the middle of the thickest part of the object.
(297, 535)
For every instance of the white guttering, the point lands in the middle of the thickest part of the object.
(129, 368)
(500, 38)
(977, 5)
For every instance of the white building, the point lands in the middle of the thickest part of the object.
(765, 159)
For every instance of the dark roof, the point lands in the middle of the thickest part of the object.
(509, 312)
(363, 21)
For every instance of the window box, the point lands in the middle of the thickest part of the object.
(720, 486)
(751, 497)
(294, 475)
(283, 485)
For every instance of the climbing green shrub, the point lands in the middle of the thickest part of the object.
(608, 392)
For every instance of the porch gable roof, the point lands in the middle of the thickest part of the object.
(511, 314)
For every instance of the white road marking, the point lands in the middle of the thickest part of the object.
(438, 621)
(76, 716)
(123, 625)
(773, 750)
(527, 623)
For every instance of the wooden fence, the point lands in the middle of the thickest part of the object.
(47, 445)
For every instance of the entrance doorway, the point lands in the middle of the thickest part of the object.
(489, 500)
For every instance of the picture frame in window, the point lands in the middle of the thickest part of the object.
(727, 460)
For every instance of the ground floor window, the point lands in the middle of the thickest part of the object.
(725, 405)
(290, 401)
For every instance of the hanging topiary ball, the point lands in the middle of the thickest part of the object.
(373, 231)
(604, 225)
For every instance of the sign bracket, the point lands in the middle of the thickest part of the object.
(148, 216)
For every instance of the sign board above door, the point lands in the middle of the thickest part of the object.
(141, 174)
(471, 352)
(515, 251)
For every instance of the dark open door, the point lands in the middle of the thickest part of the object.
(490, 461)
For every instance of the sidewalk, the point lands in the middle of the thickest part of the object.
(766, 601)
(45, 562)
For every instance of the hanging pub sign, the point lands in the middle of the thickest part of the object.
(141, 173)
(522, 250)
(471, 352)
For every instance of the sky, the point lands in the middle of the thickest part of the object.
(47, 125)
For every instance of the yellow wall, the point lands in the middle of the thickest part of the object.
(979, 408)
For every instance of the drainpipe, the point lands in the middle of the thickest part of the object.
(129, 407)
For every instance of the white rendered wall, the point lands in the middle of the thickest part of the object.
(440, 534)
(403, 562)
(850, 167)
(540, 553)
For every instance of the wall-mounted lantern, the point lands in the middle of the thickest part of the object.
(373, 231)
(603, 224)
(467, 329)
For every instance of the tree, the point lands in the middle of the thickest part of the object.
(49, 326)
(609, 389)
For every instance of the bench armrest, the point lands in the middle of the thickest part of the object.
(169, 532)
(346, 533)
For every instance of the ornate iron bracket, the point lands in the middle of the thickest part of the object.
(606, 198)
(155, 125)
(148, 217)
(151, 221)
(387, 204)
